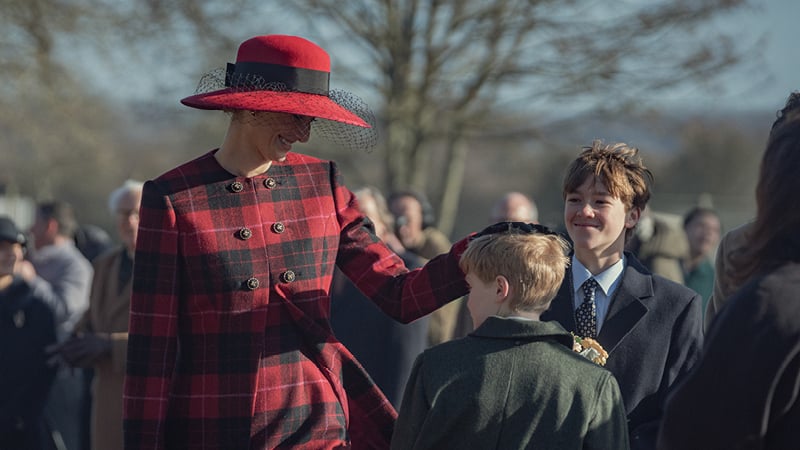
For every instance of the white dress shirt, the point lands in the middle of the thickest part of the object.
(607, 281)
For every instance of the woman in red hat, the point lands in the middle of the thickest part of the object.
(230, 344)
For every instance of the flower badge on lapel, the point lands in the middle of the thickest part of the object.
(589, 349)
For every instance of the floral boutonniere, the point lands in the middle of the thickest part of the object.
(589, 349)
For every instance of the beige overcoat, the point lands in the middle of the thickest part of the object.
(724, 285)
(108, 312)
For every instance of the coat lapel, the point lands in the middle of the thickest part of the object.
(625, 311)
(627, 308)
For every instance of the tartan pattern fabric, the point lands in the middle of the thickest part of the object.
(586, 314)
(229, 341)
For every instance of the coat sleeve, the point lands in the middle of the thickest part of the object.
(119, 351)
(685, 350)
(70, 298)
(27, 400)
(103, 274)
(609, 425)
(686, 344)
(747, 380)
(413, 410)
(152, 338)
(381, 275)
(717, 294)
(724, 285)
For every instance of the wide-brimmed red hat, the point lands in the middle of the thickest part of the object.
(276, 73)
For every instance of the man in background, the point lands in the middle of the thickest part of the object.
(514, 207)
(415, 227)
(59, 262)
(100, 340)
(660, 245)
(385, 347)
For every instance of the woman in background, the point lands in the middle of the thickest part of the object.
(743, 394)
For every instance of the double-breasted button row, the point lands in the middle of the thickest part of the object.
(286, 277)
(246, 233)
(238, 186)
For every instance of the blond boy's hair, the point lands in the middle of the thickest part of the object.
(534, 264)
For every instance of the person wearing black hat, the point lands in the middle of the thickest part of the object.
(27, 326)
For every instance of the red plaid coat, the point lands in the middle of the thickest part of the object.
(229, 342)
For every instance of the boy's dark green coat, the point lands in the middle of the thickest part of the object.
(511, 384)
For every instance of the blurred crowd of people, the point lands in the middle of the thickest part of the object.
(93, 328)
(67, 288)
(78, 312)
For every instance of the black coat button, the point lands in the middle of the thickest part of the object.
(253, 284)
(288, 276)
(237, 186)
(245, 233)
(278, 227)
(270, 183)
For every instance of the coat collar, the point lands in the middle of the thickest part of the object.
(627, 308)
(16, 295)
(528, 330)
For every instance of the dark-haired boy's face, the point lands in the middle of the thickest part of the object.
(596, 221)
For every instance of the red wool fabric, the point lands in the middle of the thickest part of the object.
(217, 360)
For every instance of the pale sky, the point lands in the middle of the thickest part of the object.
(752, 87)
(781, 24)
(778, 21)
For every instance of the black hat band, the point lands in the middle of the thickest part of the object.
(243, 74)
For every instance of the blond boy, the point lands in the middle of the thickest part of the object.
(514, 382)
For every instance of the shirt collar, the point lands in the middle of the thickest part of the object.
(605, 279)
(512, 317)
